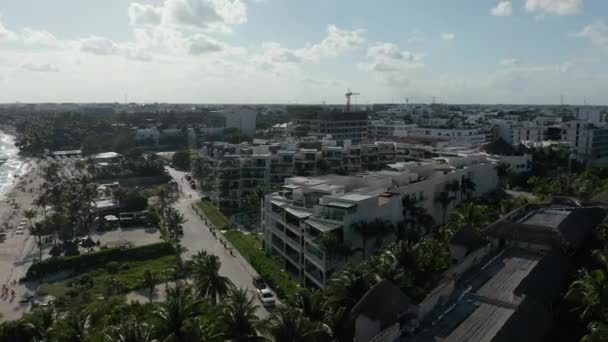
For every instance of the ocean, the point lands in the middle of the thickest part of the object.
(14, 165)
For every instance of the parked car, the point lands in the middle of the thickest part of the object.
(193, 185)
(188, 177)
(259, 283)
(19, 231)
(266, 297)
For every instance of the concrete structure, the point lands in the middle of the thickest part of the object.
(241, 118)
(308, 207)
(465, 137)
(388, 128)
(589, 142)
(340, 126)
(511, 297)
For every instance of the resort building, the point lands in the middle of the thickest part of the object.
(295, 218)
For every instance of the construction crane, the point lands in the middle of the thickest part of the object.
(348, 95)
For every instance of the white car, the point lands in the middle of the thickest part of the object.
(266, 297)
(19, 231)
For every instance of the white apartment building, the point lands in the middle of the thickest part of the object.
(388, 128)
(588, 141)
(466, 137)
(527, 132)
(307, 207)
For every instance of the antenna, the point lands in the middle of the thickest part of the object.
(561, 99)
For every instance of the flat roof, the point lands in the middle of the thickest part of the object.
(105, 155)
(65, 153)
(299, 213)
(355, 197)
(342, 205)
(322, 226)
(546, 217)
(482, 313)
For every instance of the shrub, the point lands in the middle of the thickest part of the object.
(84, 262)
(251, 249)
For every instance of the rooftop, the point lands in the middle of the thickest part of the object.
(512, 290)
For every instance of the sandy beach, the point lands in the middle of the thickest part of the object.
(18, 250)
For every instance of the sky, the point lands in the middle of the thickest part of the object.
(304, 51)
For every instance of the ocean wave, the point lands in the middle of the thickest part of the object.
(14, 165)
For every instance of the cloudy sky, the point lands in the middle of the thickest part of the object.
(304, 51)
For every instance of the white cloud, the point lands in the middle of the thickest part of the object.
(448, 36)
(40, 67)
(388, 58)
(6, 34)
(99, 46)
(336, 42)
(40, 38)
(210, 15)
(503, 9)
(560, 7)
(596, 33)
(199, 44)
(509, 62)
(144, 14)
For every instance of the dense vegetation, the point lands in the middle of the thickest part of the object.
(250, 248)
(84, 262)
(216, 217)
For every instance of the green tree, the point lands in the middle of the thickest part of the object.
(467, 188)
(181, 160)
(149, 281)
(241, 324)
(178, 308)
(35, 230)
(207, 280)
(503, 171)
(130, 330)
(288, 324)
(444, 199)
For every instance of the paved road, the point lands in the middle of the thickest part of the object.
(198, 237)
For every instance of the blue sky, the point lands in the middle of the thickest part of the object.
(279, 51)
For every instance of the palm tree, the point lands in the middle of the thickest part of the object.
(174, 220)
(597, 332)
(78, 328)
(444, 199)
(179, 307)
(503, 172)
(35, 230)
(42, 321)
(288, 324)
(347, 287)
(590, 292)
(333, 246)
(454, 187)
(467, 187)
(240, 320)
(364, 230)
(470, 216)
(207, 280)
(130, 330)
(311, 304)
(149, 282)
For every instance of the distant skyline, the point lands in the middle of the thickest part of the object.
(281, 51)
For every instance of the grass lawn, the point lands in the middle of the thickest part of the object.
(250, 247)
(127, 276)
(214, 214)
